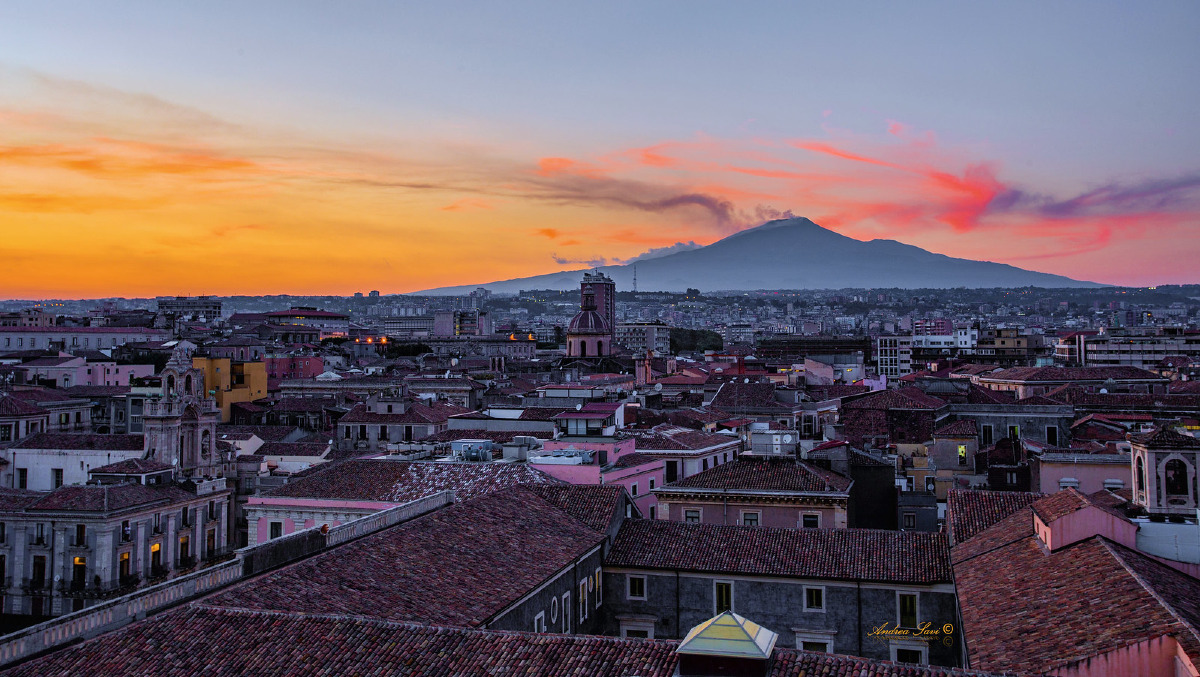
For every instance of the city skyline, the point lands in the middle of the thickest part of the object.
(160, 150)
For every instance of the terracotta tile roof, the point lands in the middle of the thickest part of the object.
(635, 459)
(133, 466)
(39, 395)
(414, 413)
(97, 391)
(498, 436)
(904, 398)
(979, 395)
(541, 413)
(750, 473)
(963, 428)
(830, 392)
(15, 406)
(302, 404)
(1095, 595)
(740, 396)
(1068, 374)
(15, 499)
(667, 437)
(266, 433)
(293, 448)
(592, 504)
(1039, 400)
(839, 554)
(402, 481)
(82, 441)
(203, 640)
(107, 497)
(1165, 438)
(460, 565)
(969, 512)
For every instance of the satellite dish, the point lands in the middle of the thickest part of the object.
(454, 362)
(746, 380)
(658, 387)
(787, 439)
(578, 407)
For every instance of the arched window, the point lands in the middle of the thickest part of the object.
(583, 348)
(599, 347)
(1177, 484)
(1141, 475)
(187, 384)
(170, 383)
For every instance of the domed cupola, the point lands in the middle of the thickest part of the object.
(589, 333)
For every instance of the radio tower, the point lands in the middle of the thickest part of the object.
(635, 278)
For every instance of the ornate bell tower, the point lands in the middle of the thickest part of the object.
(181, 425)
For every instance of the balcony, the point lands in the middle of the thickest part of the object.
(35, 585)
(186, 563)
(157, 573)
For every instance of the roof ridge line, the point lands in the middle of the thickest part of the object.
(1107, 544)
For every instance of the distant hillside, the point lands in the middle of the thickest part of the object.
(794, 254)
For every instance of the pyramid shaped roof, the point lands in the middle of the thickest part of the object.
(728, 634)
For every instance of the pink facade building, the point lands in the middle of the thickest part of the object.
(612, 461)
(294, 366)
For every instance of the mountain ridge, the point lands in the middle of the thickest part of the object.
(792, 254)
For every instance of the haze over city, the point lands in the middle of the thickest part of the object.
(309, 148)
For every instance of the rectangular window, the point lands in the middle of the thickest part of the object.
(599, 588)
(346, 430)
(22, 478)
(276, 530)
(814, 599)
(634, 489)
(3, 533)
(566, 612)
(704, 464)
(539, 622)
(1014, 433)
(986, 436)
(671, 472)
(651, 484)
(1012, 478)
(636, 588)
(126, 531)
(910, 520)
(722, 596)
(907, 606)
(909, 654)
(653, 510)
(80, 535)
(962, 454)
(637, 634)
(811, 520)
(56, 477)
(813, 645)
(362, 432)
(212, 510)
(1052, 436)
(750, 519)
(583, 599)
(691, 516)
(6, 432)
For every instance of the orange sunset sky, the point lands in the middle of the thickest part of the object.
(139, 171)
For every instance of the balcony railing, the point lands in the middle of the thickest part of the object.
(35, 584)
(185, 563)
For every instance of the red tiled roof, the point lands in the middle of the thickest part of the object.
(133, 466)
(963, 428)
(107, 497)
(970, 512)
(1165, 438)
(203, 640)
(740, 396)
(97, 391)
(402, 481)
(266, 433)
(498, 436)
(414, 413)
(666, 437)
(635, 459)
(15, 499)
(1010, 589)
(749, 473)
(904, 398)
(838, 554)
(460, 565)
(592, 504)
(15, 406)
(1069, 374)
(82, 441)
(293, 448)
(541, 413)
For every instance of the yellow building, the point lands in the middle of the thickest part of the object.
(228, 381)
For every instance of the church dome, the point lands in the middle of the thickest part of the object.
(588, 322)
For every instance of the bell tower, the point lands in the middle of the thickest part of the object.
(181, 425)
